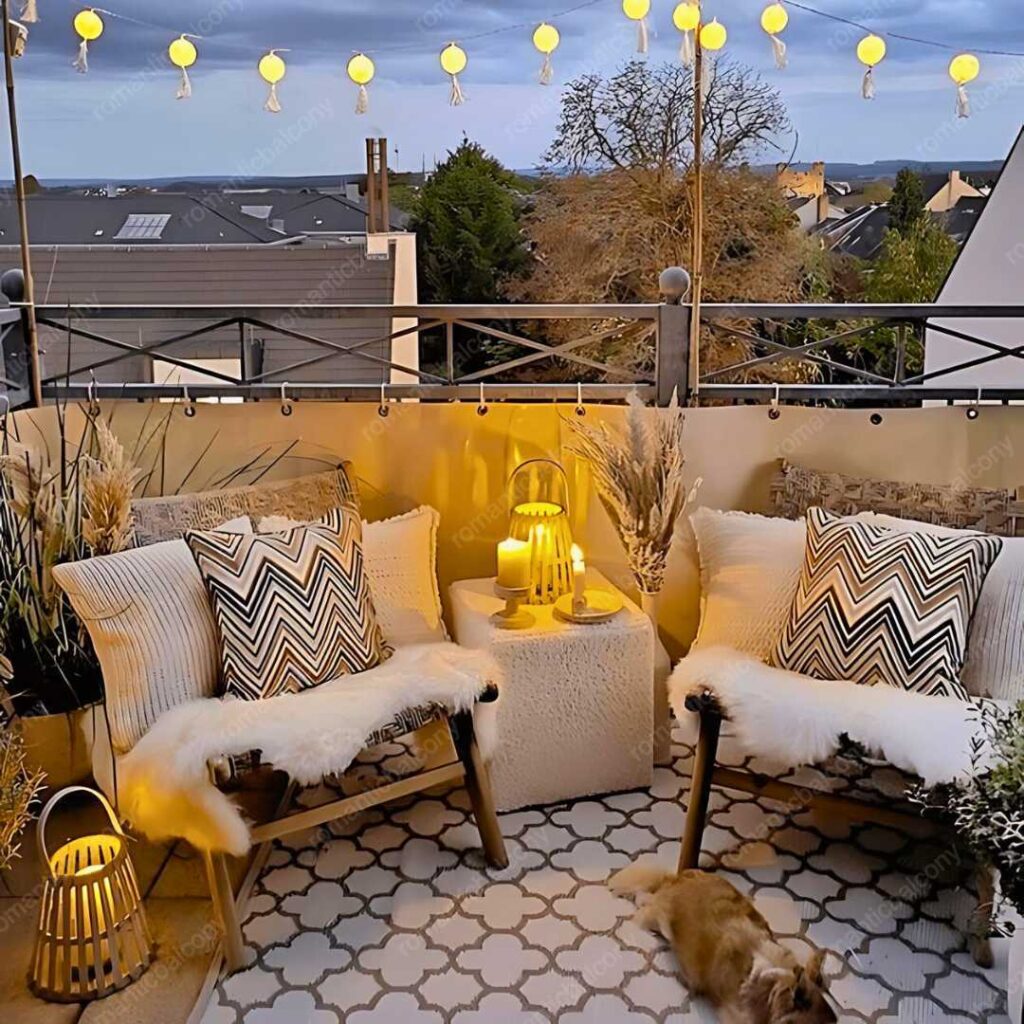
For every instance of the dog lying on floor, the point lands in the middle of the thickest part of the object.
(726, 950)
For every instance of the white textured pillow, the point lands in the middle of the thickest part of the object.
(995, 651)
(749, 570)
(152, 628)
(401, 562)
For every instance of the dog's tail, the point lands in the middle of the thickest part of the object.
(639, 878)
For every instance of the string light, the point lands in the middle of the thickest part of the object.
(29, 12)
(546, 39)
(871, 52)
(361, 70)
(686, 18)
(453, 62)
(637, 10)
(713, 35)
(183, 55)
(272, 70)
(89, 26)
(774, 19)
(964, 68)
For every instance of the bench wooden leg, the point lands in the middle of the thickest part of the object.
(979, 941)
(223, 895)
(700, 789)
(478, 784)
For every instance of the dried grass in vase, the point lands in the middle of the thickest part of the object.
(19, 787)
(638, 473)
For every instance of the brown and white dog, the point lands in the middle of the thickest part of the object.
(726, 950)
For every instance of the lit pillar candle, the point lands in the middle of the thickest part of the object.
(514, 564)
(579, 579)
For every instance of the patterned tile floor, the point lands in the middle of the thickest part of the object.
(390, 917)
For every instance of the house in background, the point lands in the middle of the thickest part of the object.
(943, 192)
(988, 271)
(810, 196)
(228, 249)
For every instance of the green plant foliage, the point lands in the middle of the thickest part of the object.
(906, 204)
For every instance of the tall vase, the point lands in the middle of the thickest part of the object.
(662, 738)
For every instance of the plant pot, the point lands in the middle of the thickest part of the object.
(57, 744)
(1015, 985)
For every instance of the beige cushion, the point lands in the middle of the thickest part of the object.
(304, 498)
(749, 570)
(401, 563)
(152, 628)
(995, 654)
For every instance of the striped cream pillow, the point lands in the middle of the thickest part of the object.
(152, 628)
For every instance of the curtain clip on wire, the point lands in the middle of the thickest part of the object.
(382, 409)
(190, 402)
(774, 412)
(580, 410)
(481, 409)
(286, 405)
(974, 410)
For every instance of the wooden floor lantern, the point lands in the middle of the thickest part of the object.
(93, 938)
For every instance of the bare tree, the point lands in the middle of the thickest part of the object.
(641, 118)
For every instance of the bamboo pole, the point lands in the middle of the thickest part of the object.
(697, 256)
(31, 330)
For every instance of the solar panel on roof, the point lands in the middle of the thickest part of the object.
(143, 225)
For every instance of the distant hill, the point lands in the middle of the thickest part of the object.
(889, 168)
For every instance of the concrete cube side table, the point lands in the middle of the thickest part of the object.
(576, 713)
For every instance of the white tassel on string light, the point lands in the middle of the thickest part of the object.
(643, 36)
(687, 50)
(361, 70)
(547, 70)
(963, 102)
(453, 63)
(867, 88)
(706, 76)
(457, 97)
(29, 12)
(184, 86)
(362, 100)
(273, 104)
(779, 52)
(272, 69)
(81, 62)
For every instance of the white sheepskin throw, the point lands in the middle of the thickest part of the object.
(164, 788)
(795, 720)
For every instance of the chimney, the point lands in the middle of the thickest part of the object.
(111, 191)
(378, 216)
(352, 191)
(823, 207)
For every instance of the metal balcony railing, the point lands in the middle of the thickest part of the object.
(528, 353)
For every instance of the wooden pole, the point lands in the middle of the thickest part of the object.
(384, 209)
(31, 330)
(697, 257)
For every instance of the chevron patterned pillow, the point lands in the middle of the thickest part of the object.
(882, 606)
(292, 609)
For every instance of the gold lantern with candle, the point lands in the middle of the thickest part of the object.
(539, 505)
(93, 938)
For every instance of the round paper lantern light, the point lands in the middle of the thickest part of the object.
(870, 52)
(637, 10)
(272, 70)
(713, 36)
(183, 55)
(964, 68)
(546, 39)
(686, 18)
(89, 26)
(454, 62)
(361, 71)
(774, 19)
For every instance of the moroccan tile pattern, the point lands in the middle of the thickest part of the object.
(391, 917)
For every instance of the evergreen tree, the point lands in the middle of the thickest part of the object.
(906, 205)
(466, 220)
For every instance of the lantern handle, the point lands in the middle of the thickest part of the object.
(44, 817)
(535, 462)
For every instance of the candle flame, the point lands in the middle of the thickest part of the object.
(577, 553)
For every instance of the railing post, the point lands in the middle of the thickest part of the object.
(673, 337)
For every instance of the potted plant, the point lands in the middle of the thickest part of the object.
(987, 810)
(19, 787)
(53, 510)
